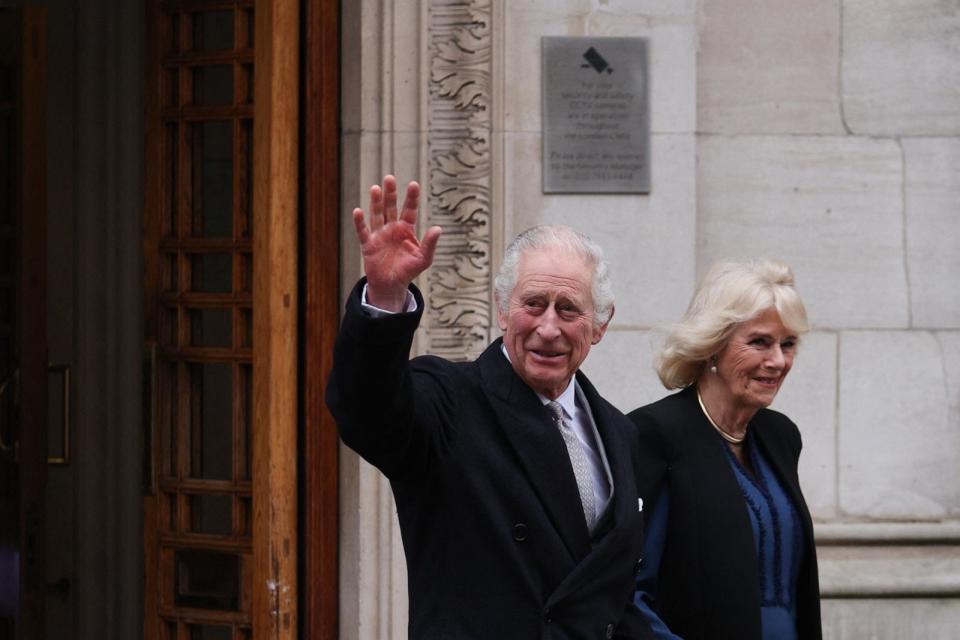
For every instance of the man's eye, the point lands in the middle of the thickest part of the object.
(760, 342)
(788, 345)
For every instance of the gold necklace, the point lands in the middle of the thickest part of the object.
(726, 436)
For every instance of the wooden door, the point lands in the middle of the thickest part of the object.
(23, 353)
(198, 248)
(236, 467)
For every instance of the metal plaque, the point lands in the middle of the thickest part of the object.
(596, 126)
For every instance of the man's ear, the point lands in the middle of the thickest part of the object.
(501, 316)
(599, 332)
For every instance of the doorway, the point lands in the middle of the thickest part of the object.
(23, 350)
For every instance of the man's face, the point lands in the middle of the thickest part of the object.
(548, 327)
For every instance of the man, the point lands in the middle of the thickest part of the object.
(514, 484)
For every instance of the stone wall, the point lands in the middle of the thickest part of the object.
(825, 133)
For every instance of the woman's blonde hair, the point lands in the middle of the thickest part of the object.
(732, 292)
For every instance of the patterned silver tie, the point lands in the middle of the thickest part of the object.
(578, 458)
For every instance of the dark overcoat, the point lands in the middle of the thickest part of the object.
(493, 531)
(708, 585)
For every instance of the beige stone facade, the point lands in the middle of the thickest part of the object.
(825, 133)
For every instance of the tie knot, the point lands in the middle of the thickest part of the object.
(556, 410)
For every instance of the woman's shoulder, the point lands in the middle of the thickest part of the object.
(662, 425)
(778, 426)
(777, 419)
(664, 410)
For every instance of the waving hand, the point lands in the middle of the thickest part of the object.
(392, 255)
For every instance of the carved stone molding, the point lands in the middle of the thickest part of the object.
(459, 132)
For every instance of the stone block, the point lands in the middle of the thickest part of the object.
(649, 240)
(621, 368)
(809, 398)
(829, 207)
(525, 25)
(889, 570)
(769, 66)
(890, 619)
(950, 346)
(899, 67)
(898, 453)
(933, 230)
(657, 8)
(672, 45)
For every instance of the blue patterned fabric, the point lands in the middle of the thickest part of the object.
(778, 537)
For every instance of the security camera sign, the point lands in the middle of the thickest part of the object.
(596, 132)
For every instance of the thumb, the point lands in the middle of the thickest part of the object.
(429, 243)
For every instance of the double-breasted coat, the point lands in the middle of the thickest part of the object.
(493, 531)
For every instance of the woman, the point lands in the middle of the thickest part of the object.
(729, 550)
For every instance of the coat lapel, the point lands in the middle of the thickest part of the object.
(539, 446)
(779, 457)
(606, 550)
(617, 450)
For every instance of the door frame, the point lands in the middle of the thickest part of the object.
(320, 295)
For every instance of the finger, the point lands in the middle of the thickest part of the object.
(389, 199)
(376, 207)
(360, 225)
(411, 203)
(429, 244)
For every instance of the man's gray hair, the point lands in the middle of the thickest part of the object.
(557, 237)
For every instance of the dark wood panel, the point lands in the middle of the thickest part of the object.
(320, 250)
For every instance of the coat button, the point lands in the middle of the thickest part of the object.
(547, 618)
(609, 632)
(637, 567)
(519, 532)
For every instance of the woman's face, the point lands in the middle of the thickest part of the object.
(755, 360)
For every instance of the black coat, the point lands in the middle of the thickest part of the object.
(490, 516)
(708, 583)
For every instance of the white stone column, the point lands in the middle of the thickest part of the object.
(382, 55)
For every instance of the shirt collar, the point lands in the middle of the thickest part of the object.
(567, 399)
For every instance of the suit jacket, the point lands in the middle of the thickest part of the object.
(490, 516)
(708, 583)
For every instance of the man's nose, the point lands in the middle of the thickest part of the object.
(549, 327)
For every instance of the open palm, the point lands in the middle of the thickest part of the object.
(392, 255)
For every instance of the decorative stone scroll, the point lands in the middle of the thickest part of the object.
(459, 130)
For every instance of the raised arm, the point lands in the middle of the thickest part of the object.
(392, 255)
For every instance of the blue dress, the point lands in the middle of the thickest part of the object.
(778, 540)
